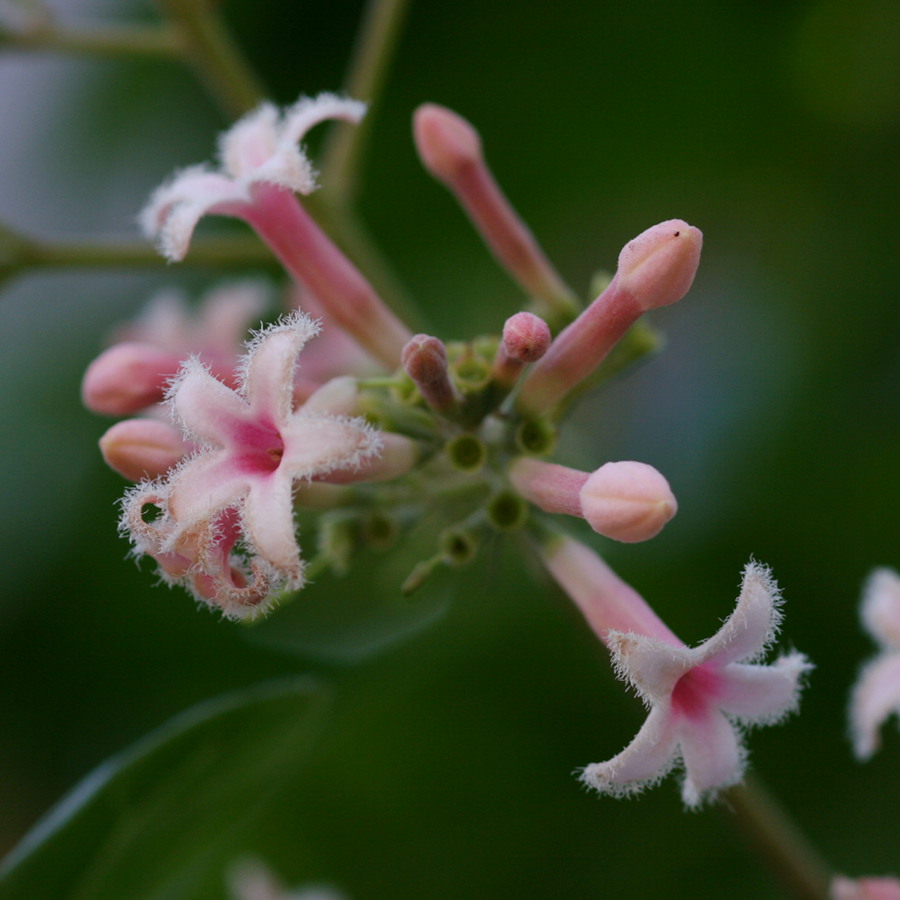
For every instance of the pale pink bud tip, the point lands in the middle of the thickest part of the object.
(127, 377)
(627, 501)
(446, 141)
(526, 337)
(658, 266)
(142, 448)
(424, 359)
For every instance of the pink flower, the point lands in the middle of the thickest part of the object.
(700, 698)
(260, 170)
(865, 889)
(134, 372)
(238, 487)
(876, 694)
(260, 149)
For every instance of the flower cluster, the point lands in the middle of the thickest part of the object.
(462, 431)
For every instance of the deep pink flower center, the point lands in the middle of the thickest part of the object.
(695, 691)
(261, 447)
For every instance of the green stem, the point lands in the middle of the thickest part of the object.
(225, 252)
(110, 41)
(369, 63)
(779, 841)
(215, 56)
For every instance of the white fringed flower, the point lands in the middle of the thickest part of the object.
(700, 697)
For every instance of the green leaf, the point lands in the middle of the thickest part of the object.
(165, 817)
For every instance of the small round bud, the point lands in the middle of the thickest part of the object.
(526, 337)
(627, 501)
(446, 141)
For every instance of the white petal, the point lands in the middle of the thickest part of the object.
(880, 608)
(209, 411)
(268, 373)
(747, 632)
(713, 755)
(308, 112)
(250, 141)
(652, 666)
(175, 208)
(204, 485)
(875, 696)
(268, 520)
(762, 694)
(315, 445)
(644, 762)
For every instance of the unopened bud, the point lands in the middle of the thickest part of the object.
(526, 337)
(450, 149)
(655, 269)
(627, 501)
(446, 141)
(424, 359)
(658, 266)
(142, 448)
(126, 378)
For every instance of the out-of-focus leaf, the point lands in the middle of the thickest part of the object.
(163, 818)
(348, 618)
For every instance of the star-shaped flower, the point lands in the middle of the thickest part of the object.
(876, 694)
(238, 487)
(699, 697)
(259, 150)
(261, 169)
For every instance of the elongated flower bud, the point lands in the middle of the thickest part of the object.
(424, 359)
(450, 149)
(655, 269)
(126, 378)
(142, 448)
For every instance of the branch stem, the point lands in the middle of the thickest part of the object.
(208, 46)
(779, 841)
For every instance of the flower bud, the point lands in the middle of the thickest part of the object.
(658, 266)
(526, 337)
(126, 378)
(142, 448)
(446, 141)
(627, 501)
(424, 359)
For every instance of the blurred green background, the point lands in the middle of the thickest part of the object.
(446, 767)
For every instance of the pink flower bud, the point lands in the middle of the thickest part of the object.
(446, 141)
(450, 149)
(142, 448)
(627, 501)
(526, 337)
(424, 359)
(126, 378)
(658, 266)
